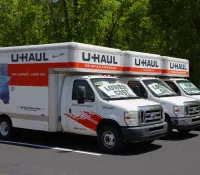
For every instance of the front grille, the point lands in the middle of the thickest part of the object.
(156, 128)
(195, 120)
(151, 115)
(155, 120)
(192, 109)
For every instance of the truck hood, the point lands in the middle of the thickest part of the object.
(177, 101)
(131, 105)
(197, 97)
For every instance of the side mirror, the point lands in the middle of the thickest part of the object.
(137, 91)
(81, 94)
(179, 93)
(145, 95)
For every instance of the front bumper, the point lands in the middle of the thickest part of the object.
(185, 123)
(144, 133)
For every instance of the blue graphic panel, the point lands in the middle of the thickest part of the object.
(4, 86)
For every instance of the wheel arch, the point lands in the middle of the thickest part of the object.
(106, 122)
(3, 115)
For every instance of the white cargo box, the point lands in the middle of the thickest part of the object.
(139, 63)
(175, 67)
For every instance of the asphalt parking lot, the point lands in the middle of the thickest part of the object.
(63, 154)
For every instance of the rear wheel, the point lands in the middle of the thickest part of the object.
(184, 131)
(5, 128)
(110, 138)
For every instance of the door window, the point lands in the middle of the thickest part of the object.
(138, 88)
(173, 86)
(89, 96)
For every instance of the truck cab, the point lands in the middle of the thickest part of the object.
(105, 107)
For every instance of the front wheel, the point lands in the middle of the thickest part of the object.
(5, 128)
(169, 127)
(184, 131)
(110, 139)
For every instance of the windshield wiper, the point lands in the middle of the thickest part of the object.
(122, 98)
(195, 94)
(171, 95)
(130, 98)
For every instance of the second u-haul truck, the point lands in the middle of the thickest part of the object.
(60, 88)
(142, 72)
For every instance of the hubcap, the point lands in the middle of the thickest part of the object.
(109, 139)
(4, 128)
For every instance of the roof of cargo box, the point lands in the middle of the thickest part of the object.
(175, 67)
(174, 59)
(139, 63)
(66, 45)
(140, 54)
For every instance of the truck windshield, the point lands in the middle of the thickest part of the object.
(159, 89)
(113, 89)
(188, 87)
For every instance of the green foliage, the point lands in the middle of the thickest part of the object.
(166, 27)
(179, 24)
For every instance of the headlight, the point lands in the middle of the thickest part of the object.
(179, 111)
(131, 118)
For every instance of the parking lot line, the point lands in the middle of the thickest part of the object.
(49, 147)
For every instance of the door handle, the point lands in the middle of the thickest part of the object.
(70, 110)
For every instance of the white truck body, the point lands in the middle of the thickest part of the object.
(147, 85)
(178, 81)
(59, 87)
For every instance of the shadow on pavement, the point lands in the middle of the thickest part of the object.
(197, 129)
(73, 142)
(136, 149)
(176, 136)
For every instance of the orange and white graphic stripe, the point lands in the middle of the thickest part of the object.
(37, 74)
(142, 70)
(88, 119)
(175, 72)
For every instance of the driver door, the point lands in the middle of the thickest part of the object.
(80, 115)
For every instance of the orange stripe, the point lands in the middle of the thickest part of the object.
(93, 116)
(175, 72)
(37, 74)
(98, 66)
(136, 69)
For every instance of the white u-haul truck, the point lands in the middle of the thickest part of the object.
(141, 74)
(59, 88)
(175, 74)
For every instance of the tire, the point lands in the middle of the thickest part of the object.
(110, 139)
(6, 128)
(169, 127)
(184, 131)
